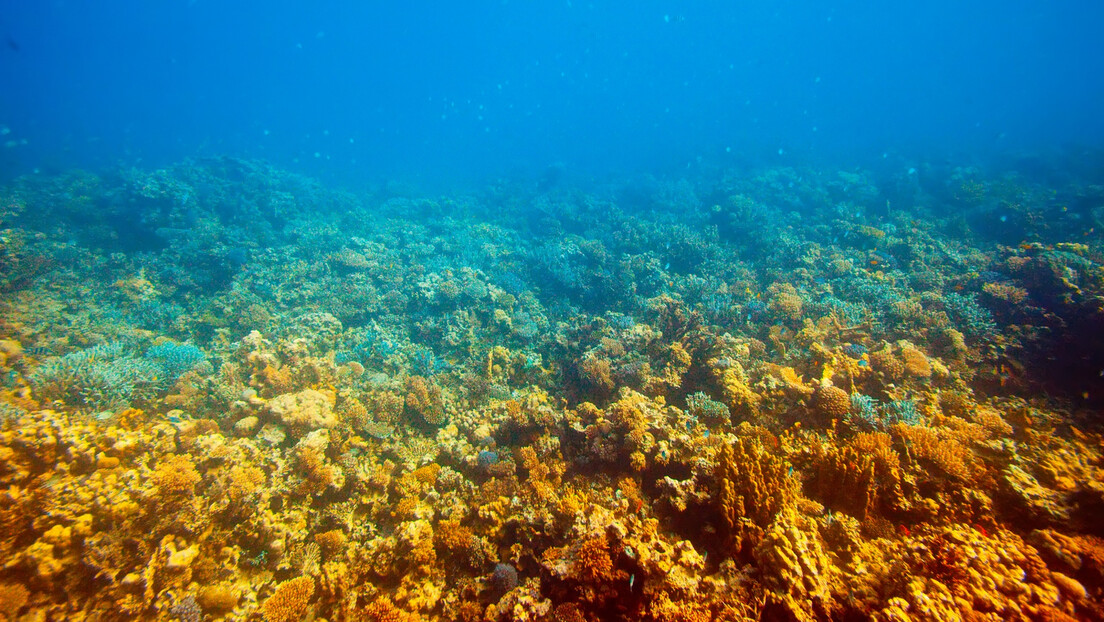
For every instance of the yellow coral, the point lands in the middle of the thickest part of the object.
(175, 476)
(753, 486)
(936, 447)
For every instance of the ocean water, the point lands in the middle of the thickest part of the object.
(454, 92)
(551, 311)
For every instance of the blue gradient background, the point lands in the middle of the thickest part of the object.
(451, 91)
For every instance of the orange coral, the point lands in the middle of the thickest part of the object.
(13, 596)
(383, 610)
(592, 560)
(290, 600)
(332, 542)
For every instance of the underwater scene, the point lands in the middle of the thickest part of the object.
(551, 312)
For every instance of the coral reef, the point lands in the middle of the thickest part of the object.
(230, 393)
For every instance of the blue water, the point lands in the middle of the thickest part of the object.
(361, 92)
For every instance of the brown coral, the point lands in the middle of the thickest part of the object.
(425, 399)
(832, 402)
(886, 363)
